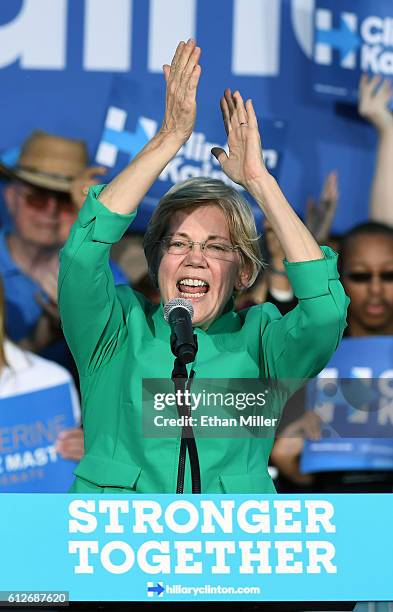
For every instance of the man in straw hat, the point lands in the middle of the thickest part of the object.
(43, 193)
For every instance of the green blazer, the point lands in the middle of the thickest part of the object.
(117, 338)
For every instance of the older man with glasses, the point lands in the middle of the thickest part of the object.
(42, 201)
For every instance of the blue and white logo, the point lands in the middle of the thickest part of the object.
(363, 42)
(155, 589)
(116, 138)
(344, 38)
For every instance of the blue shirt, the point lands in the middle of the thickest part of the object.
(22, 310)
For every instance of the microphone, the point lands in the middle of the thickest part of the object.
(178, 313)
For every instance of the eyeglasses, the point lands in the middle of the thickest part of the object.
(38, 198)
(210, 248)
(365, 277)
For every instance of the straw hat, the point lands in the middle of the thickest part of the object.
(48, 161)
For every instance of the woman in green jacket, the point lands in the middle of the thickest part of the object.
(200, 245)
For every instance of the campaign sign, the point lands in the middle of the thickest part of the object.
(29, 426)
(134, 115)
(351, 37)
(167, 548)
(353, 396)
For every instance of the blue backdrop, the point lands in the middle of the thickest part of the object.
(58, 59)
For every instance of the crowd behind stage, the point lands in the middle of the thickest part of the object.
(43, 193)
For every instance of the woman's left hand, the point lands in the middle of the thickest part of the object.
(244, 164)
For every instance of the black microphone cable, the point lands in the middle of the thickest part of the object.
(188, 442)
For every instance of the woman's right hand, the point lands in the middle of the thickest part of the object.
(374, 99)
(125, 192)
(182, 78)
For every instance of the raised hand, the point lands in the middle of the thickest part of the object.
(182, 78)
(374, 99)
(125, 192)
(319, 217)
(244, 163)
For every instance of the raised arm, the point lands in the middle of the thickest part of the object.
(125, 192)
(299, 344)
(374, 100)
(245, 166)
(93, 312)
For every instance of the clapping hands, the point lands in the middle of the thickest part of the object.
(244, 163)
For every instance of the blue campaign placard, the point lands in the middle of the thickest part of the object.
(353, 396)
(351, 37)
(167, 548)
(29, 426)
(133, 117)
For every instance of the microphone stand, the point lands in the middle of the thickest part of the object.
(179, 378)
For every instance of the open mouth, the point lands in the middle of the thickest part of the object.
(192, 288)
